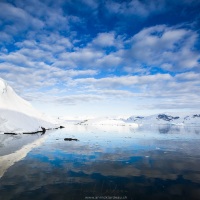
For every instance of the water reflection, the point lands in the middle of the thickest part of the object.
(7, 161)
(164, 130)
(139, 164)
(171, 129)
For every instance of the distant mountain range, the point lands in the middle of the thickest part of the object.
(176, 119)
(158, 119)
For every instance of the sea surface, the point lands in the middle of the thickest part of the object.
(107, 162)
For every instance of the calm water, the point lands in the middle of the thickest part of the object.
(106, 163)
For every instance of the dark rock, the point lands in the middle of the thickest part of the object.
(33, 132)
(62, 127)
(176, 117)
(43, 130)
(138, 117)
(10, 133)
(194, 116)
(166, 117)
(71, 139)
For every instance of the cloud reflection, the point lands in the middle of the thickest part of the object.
(95, 166)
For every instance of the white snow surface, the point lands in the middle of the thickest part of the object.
(108, 121)
(17, 115)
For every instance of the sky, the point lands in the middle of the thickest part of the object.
(102, 57)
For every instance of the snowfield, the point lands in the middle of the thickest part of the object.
(17, 115)
(107, 121)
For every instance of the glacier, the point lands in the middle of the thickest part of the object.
(17, 114)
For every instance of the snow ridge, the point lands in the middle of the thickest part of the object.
(16, 114)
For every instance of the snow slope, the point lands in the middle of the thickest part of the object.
(18, 115)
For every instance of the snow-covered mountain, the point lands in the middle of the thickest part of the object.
(158, 119)
(18, 115)
(166, 118)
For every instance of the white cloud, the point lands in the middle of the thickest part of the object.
(94, 54)
(169, 47)
(92, 3)
(49, 12)
(5, 37)
(109, 62)
(57, 97)
(36, 18)
(17, 20)
(104, 40)
(188, 76)
(85, 58)
(159, 89)
(39, 76)
(116, 93)
(17, 59)
(135, 7)
(74, 99)
(115, 82)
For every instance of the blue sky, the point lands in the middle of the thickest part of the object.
(105, 57)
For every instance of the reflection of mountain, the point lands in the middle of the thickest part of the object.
(169, 129)
(17, 114)
(7, 161)
(164, 130)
